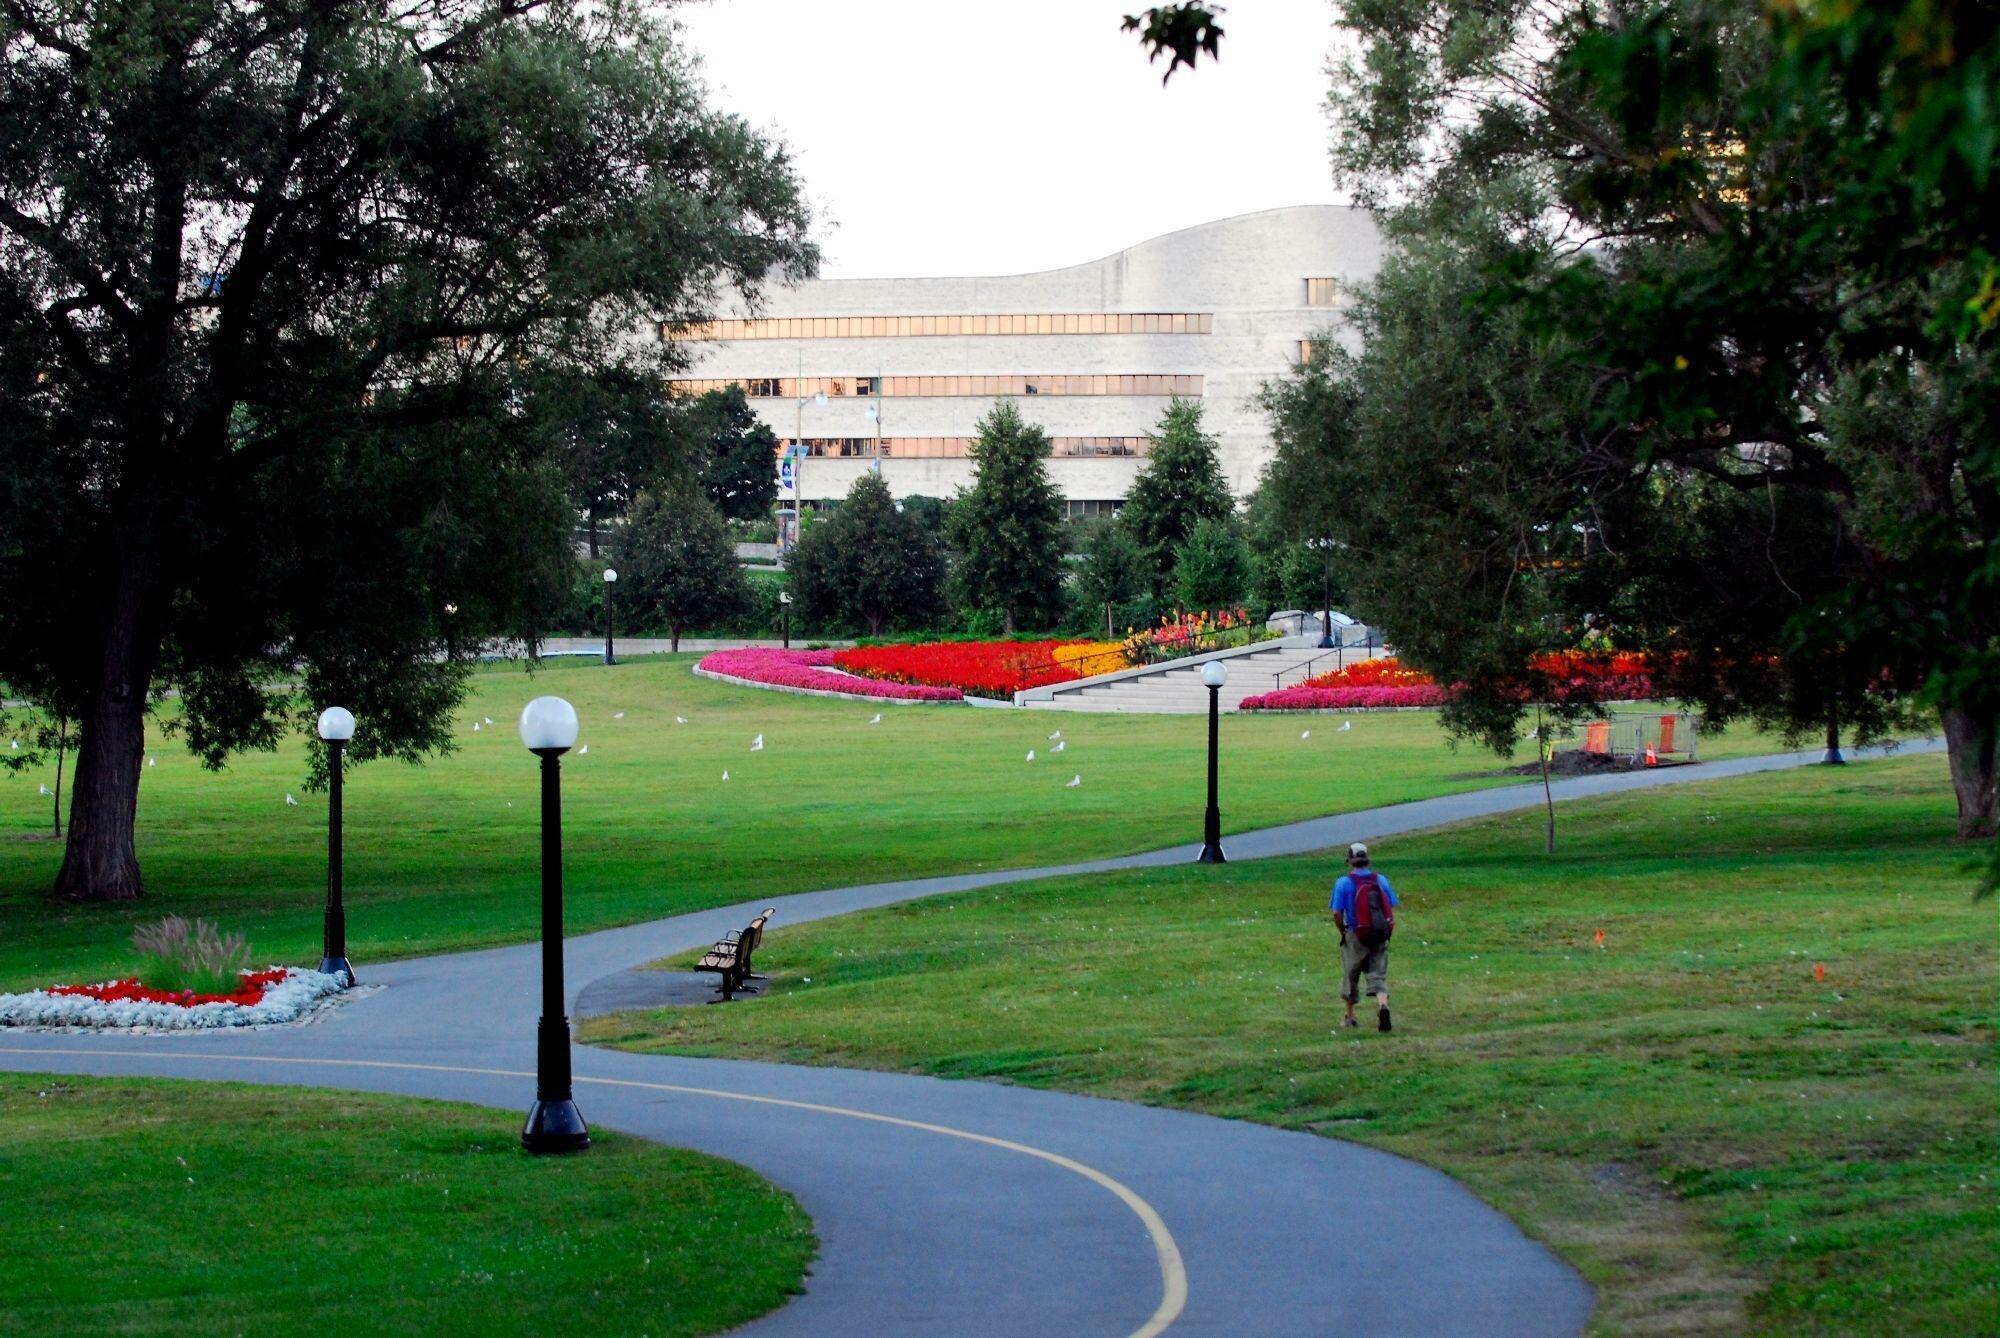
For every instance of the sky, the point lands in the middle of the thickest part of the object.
(941, 137)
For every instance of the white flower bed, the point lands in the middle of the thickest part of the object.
(284, 1001)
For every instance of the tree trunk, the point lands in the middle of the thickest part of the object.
(592, 513)
(1970, 744)
(1548, 793)
(674, 637)
(100, 861)
(1007, 619)
(62, 757)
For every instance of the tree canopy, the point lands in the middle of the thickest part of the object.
(1006, 530)
(1180, 484)
(868, 564)
(297, 300)
(677, 564)
(735, 451)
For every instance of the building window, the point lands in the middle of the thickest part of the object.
(904, 327)
(959, 448)
(1076, 508)
(1322, 292)
(787, 387)
(1307, 347)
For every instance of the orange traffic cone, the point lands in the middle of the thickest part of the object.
(1652, 758)
(1600, 938)
(1819, 970)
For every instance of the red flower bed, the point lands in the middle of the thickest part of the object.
(1384, 682)
(249, 994)
(803, 669)
(983, 668)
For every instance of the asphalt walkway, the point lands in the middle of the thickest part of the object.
(963, 1208)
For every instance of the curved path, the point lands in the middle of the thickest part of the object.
(962, 1208)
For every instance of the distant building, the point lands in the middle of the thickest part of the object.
(1092, 353)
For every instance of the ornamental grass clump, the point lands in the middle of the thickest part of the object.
(184, 958)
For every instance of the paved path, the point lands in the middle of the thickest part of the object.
(963, 1208)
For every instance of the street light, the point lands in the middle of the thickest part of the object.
(548, 728)
(610, 580)
(785, 616)
(1213, 675)
(1325, 547)
(336, 727)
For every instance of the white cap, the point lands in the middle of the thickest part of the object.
(1358, 853)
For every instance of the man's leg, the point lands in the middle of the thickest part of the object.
(1378, 984)
(1353, 960)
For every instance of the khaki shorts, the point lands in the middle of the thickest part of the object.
(1356, 959)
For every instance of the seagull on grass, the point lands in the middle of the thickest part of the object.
(1345, 725)
(1073, 782)
(475, 727)
(877, 720)
(725, 775)
(1056, 735)
(291, 802)
(51, 793)
(680, 720)
(757, 744)
(1060, 745)
(581, 751)
(1031, 754)
(489, 719)
(152, 761)
(1304, 735)
(617, 715)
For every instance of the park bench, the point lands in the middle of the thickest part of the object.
(730, 958)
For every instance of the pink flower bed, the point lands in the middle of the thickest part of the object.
(805, 669)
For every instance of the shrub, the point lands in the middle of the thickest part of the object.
(196, 958)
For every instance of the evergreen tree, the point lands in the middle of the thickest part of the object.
(1212, 569)
(736, 451)
(292, 293)
(1180, 485)
(1006, 531)
(868, 564)
(1113, 574)
(677, 564)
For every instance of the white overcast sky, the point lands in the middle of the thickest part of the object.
(953, 137)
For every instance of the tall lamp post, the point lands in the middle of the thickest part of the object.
(548, 728)
(610, 583)
(1213, 675)
(785, 616)
(336, 727)
(1325, 547)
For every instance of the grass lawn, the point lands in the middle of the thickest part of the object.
(1719, 1139)
(145, 1206)
(444, 855)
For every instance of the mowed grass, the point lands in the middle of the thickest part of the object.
(148, 1206)
(1720, 1139)
(444, 855)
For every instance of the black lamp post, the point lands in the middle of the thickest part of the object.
(610, 582)
(549, 727)
(785, 616)
(336, 727)
(1325, 547)
(1213, 675)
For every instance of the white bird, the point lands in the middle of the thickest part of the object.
(47, 791)
(1056, 735)
(757, 744)
(1031, 754)
(877, 720)
(680, 720)
(1345, 725)
(152, 761)
(12, 746)
(291, 802)
(725, 775)
(617, 715)
(489, 719)
(475, 727)
(1073, 782)
(1304, 735)
(581, 751)
(1060, 746)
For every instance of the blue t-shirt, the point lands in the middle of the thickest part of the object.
(1343, 896)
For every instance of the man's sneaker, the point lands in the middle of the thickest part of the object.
(1382, 1019)
(1351, 1021)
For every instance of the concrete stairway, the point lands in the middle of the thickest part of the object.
(1177, 687)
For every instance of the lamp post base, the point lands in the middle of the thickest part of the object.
(333, 966)
(555, 1126)
(1833, 758)
(1210, 854)
(1325, 642)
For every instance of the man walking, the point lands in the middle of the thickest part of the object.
(1364, 911)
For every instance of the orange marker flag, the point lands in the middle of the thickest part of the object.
(1819, 970)
(1600, 938)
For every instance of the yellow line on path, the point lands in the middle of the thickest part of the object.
(1173, 1272)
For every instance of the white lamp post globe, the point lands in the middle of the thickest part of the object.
(610, 576)
(336, 724)
(548, 723)
(1214, 674)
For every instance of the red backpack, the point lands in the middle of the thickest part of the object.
(1374, 918)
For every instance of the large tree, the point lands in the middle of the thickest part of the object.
(1006, 530)
(1180, 485)
(735, 451)
(288, 295)
(677, 564)
(868, 564)
(1764, 239)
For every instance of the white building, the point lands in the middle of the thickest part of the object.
(1091, 352)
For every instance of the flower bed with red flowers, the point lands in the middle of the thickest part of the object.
(276, 995)
(1385, 684)
(982, 668)
(807, 671)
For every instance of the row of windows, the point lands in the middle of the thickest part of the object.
(1020, 323)
(1073, 508)
(957, 448)
(1322, 292)
(868, 387)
